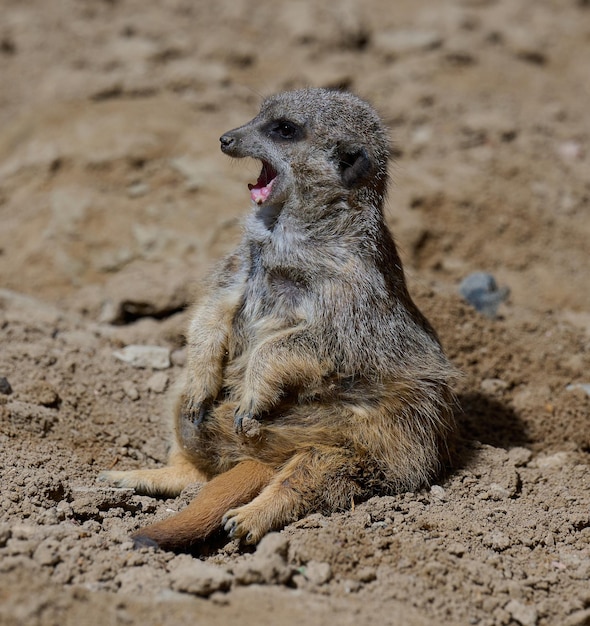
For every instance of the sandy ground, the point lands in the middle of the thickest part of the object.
(114, 201)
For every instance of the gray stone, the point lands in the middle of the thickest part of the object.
(482, 292)
(5, 387)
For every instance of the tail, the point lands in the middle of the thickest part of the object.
(203, 515)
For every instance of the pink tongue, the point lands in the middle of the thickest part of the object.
(260, 194)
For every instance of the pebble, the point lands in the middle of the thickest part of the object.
(42, 394)
(400, 42)
(199, 578)
(5, 387)
(47, 552)
(137, 190)
(317, 573)
(497, 492)
(130, 390)
(482, 292)
(493, 385)
(457, 549)
(522, 613)
(585, 387)
(142, 357)
(438, 492)
(520, 456)
(498, 542)
(366, 574)
(268, 564)
(157, 382)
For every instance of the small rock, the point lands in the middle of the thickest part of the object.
(5, 387)
(130, 390)
(317, 573)
(88, 501)
(585, 387)
(493, 385)
(402, 42)
(142, 357)
(497, 492)
(520, 456)
(482, 292)
(47, 552)
(158, 382)
(366, 575)
(351, 586)
(521, 613)
(268, 565)
(498, 542)
(43, 394)
(199, 578)
(457, 549)
(271, 544)
(438, 492)
(138, 189)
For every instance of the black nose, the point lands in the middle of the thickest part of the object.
(227, 141)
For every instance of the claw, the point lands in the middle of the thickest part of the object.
(197, 415)
(230, 526)
(239, 417)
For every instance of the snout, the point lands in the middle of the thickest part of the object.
(228, 142)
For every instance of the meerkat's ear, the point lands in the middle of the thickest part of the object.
(355, 164)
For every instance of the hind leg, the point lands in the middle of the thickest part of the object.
(315, 479)
(165, 481)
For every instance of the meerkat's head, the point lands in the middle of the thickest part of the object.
(314, 144)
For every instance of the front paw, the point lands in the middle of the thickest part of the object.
(196, 412)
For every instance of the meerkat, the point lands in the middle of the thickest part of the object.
(312, 380)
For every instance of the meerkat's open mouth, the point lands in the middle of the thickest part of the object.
(261, 190)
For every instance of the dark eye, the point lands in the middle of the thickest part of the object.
(283, 129)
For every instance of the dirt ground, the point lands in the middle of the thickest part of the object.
(114, 201)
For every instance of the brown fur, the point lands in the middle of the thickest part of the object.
(312, 378)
